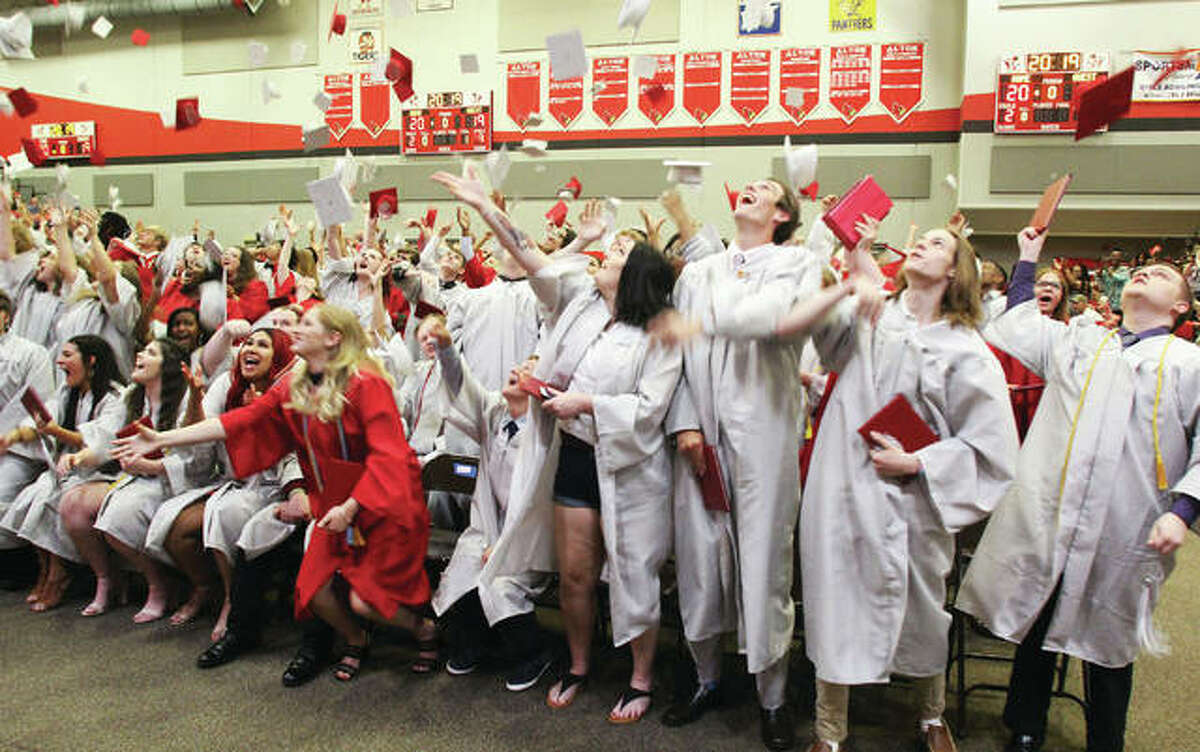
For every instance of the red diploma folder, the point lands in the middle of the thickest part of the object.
(866, 197)
(537, 388)
(899, 420)
(712, 483)
(1049, 203)
(132, 429)
(34, 406)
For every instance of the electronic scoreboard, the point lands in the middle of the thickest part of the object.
(1039, 92)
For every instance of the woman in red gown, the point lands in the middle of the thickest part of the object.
(337, 412)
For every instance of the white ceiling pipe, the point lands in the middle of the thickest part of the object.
(49, 15)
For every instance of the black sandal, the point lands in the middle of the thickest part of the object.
(344, 671)
(426, 661)
(630, 694)
(565, 682)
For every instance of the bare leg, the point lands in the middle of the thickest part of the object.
(580, 551)
(424, 630)
(156, 598)
(78, 508)
(225, 569)
(330, 609)
(57, 581)
(43, 567)
(185, 545)
(642, 677)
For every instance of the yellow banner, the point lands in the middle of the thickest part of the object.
(851, 15)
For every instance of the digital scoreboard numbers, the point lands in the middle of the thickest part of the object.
(69, 140)
(1039, 92)
(451, 122)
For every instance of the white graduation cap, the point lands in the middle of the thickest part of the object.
(270, 91)
(950, 181)
(366, 169)
(757, 14)
(299, 50)
(76, 15)
(400, 8)
(258, 53)
(534, 147)
(793, 96)
(68, 200)
(496, 164)
(82, 85)
(346, 168)
(315, 136)
(801, 163)
(685, 172)
(167, 116)
(568, 58)
(16, 36)
(645, 66)
(322, 100)
(468, 63)
(102, 27)
(60, 174)
(114, 197)
(330, 200)
(533, 120)
(17, 163)
(632, 13)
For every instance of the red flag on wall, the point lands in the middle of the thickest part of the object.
(850, 79)
(799, 81)
(566, 100)
(901, 72)
(524, 91)
(340, 88)
(374, 103)
(611, 77)
(750, 82)
(702, 84)
(656, 95)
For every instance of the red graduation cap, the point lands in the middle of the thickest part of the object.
(337, 23)
(1104, 103)
(811, 190)
(732, 196)
(430, 217)
(598, 255)
(400, 72)
(33, 150)
(572, 187)
(23, 102)
(384, 202)
(187, 113)
(656, 94)
(558, 213)
(140, 37)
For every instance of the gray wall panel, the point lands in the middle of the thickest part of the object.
(903, 177)
(135, 189)
(265, 186)
(535, 179)
(1124, 170)
(525, 24)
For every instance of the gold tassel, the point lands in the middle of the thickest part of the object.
(1162, 473)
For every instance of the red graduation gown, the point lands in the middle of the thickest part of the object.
(380, 472)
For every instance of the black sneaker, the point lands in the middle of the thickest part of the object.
(527, 673)
(461, 665)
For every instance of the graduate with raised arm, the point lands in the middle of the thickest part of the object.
(877, 522)
(741, 397)
(1075, 556)
(592, 482)
(469, 609)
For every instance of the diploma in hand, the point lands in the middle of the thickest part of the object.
(132, 429)
(712, 483)
(537, 388)
(865, 197)
(899, 420)
(34, 406)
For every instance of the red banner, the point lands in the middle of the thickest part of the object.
(524, 91)
(850, 79)
(656, 96)
(610, 98)
(702, 84)
(374, 102)
(901, 71)
(340, 88)
(750, 82)
(566, 100)
(799, 81)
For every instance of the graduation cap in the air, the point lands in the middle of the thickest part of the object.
(399, 71)
(337, 23)
(23, 102)
(384, 203)
(34, 151)
(568, 57)
(732, 195)
(187, 113)
(571, 188)
(801, 164)
(430, 216)
(1103, 103)
(140, 37)
(685, 172)
(558, 213)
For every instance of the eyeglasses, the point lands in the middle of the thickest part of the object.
(1055, 285)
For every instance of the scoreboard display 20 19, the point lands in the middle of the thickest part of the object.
(451, 122)
(1039, 92)
(67, 140)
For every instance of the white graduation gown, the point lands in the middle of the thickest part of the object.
(114, 320)
(481, 415)
(36, 311)
(1093, 534)
(734, 569)
(632, 462)
(495, 327)
(874, 551)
